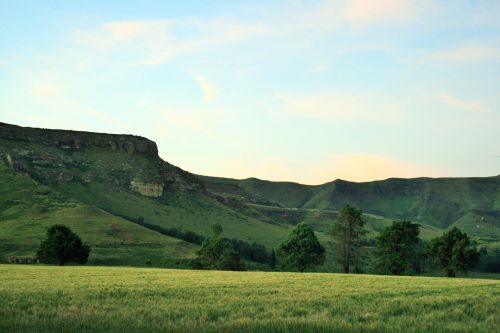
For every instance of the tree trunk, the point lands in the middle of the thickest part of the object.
(346, 269)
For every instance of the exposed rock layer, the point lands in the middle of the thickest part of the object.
(79, 140)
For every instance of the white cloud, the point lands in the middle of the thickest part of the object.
(472, 106)
(154, 42)
(207, 88)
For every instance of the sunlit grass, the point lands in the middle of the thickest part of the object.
(104, 299)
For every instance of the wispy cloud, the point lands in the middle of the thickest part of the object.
(45, 89)
(472, 106)
(154, 42)
(362, 13)
(338, 105)
(207, 88)
(469, 54)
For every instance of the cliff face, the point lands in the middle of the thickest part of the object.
(79, 140)
(125, 161)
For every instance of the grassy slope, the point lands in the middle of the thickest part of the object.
(101, 178)
(473, 204)
(190, 213)
(28, 209)
(98, 299)
(195, 213)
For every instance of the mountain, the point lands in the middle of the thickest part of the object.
(472, 204)
(132, 207)
(101, 185)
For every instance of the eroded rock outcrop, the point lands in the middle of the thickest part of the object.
(153, 190)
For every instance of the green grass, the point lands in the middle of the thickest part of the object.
(189, 213)
(29, 209)
(105, 299)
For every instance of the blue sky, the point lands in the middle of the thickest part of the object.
(306, 91)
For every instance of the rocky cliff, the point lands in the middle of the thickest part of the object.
(126, 161)
(79, 140)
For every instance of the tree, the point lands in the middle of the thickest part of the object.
(61, 246)
(348, 236)
(397, 249)
(272, 262)
(302, 249)
(218, 253)
(490, 261)
(452, 252)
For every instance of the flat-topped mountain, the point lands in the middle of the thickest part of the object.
(57, 156)
(79, 140)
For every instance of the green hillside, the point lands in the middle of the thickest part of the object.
(472, 204)
(103, 185)
(28, 209)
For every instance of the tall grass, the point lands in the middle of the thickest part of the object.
(105, 299)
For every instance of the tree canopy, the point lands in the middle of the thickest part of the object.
(452, 252)
(301, 250)
(61, 246)
(348, 235)
(397, 250)
(218, 253)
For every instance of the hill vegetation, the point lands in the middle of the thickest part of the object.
(133, 208)
(472, 204)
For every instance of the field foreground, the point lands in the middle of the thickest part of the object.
(106, 299)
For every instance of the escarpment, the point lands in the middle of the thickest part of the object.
(115, 161)
(77, 140)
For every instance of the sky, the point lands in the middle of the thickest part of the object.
(303, 91)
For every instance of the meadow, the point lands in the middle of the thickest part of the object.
(120, 299)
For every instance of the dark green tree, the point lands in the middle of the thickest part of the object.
(301, 250)
(452, 252)
(218, 253)
(397, 250)
(61, 246)
(490, 261)
(348, 236)
(272, 261)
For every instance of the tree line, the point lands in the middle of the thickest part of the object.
(398, 248)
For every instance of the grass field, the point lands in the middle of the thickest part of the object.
(105, 299)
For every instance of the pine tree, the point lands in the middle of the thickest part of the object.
(348, 236)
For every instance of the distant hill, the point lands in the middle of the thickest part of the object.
(472, 204)
(133, 207)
